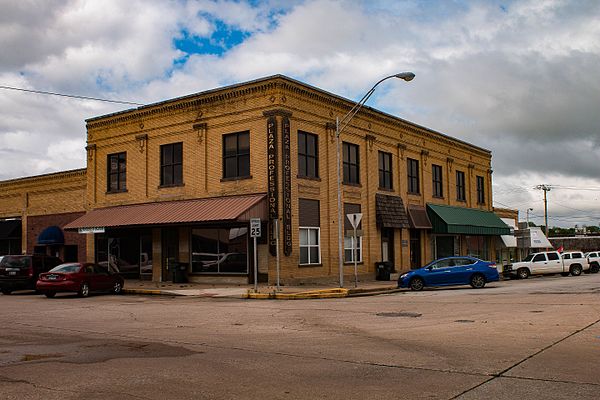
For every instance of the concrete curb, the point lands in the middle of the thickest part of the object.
(334, 293)
(152, 292)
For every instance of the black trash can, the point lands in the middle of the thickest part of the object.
(180, 272)
(383, 270)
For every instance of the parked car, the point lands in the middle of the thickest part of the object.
(21, 272)
(548, 262)
(451, 271)
(82, 278)
(593, 258)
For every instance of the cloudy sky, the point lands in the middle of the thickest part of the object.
(521, 78)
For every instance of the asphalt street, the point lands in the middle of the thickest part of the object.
(531, 339)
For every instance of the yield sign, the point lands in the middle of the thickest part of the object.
(354, 219)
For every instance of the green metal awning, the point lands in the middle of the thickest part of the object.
(465, 221)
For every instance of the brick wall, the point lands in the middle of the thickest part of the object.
(36, 224)
(200, 121)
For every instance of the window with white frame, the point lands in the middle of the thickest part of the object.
(350, 249)
(310, 232)
(349, 244)
(310, 245)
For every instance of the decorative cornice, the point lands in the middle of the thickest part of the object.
(278, 112)
(52, 176)
(283, 83)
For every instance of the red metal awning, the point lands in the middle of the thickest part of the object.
(214, 209)
(417, 217)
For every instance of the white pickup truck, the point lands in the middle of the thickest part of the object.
(548, 262)
(593, 258)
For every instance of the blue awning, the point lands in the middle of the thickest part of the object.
(51, 235)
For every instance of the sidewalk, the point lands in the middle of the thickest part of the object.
(365, 288)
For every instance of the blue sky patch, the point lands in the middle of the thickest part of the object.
(223, 38)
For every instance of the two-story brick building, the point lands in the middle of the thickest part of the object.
(178, 181)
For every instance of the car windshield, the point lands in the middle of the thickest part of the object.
(66, 268)
(15, 262)
(528, 258)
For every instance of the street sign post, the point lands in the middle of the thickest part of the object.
(255, 233)
(355, 221)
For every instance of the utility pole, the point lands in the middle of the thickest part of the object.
(545, 188)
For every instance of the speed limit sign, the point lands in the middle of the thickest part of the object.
(255, 227)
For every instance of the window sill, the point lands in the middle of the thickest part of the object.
(309, 265)
(116, 191)
(438, 197)
(350, 263)
(461, 200)
(309, 178)
(384, 189)
(358, 185)
(236, 178)
(414, 194)
(171, 186)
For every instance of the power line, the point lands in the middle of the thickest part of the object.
(69, 95)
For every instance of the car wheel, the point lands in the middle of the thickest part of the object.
(84, 290)
(50, 294)
(523, 273)
(117, 288)
(477, 281)
(594, 268)
(576, 270)
(6, 291)
(416, 284)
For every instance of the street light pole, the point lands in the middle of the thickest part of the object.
(340, 125)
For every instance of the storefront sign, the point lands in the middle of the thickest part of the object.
(287, 186)
(91, 230)
(272, 166)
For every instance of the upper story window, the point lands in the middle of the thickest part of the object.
(116, 171)
(308, 155)
(480, 190)
(236, 155)
(171, 164)
(438, 187)
(385, 170)
(460, 186)
(413, 175)
(351, 163)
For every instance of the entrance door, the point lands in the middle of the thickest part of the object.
(415, 249)
(170, 252)
(387, 246)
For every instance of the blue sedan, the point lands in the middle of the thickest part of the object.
(451, 271)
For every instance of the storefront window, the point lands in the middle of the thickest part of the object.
(125, 252)
(220, 251)
(477, 246)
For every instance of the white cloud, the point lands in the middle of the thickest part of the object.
(520, 79)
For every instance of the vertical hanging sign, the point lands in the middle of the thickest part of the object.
(287, 186)
(272, 195)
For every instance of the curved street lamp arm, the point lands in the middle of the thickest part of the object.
(345, 120)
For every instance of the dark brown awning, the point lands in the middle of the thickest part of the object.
(390, 212)
(417, 216)
(214, 209)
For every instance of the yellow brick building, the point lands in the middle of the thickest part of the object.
(38, 207)
(171, 188)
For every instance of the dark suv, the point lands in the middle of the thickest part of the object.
(20, 272)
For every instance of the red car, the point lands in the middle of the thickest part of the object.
(81, 278)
